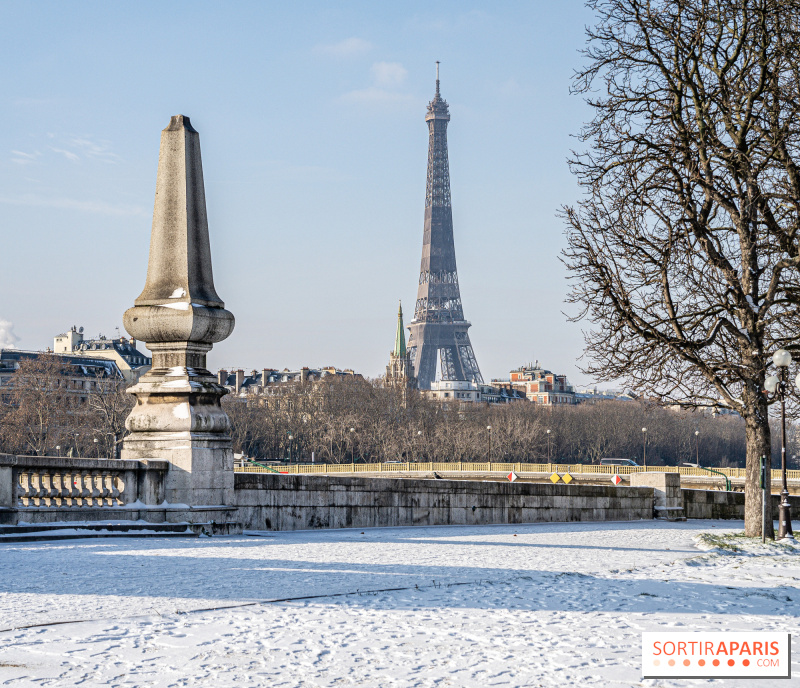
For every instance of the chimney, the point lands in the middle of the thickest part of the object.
(265, 377)
(239, 380)
(304, 374)
(222, 377)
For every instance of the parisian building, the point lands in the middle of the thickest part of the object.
(271, 381)
(539, 386)
(131, 362)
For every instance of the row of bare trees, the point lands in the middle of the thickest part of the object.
(346, 420)
(46, 410)
(49, 410)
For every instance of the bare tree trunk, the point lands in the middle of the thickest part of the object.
(758, 444)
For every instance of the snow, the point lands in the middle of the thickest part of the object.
(178, 293)
(181, 410)
(525, 605)
(181, 371)
(182, 384)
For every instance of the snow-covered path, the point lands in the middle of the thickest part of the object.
(526, 605)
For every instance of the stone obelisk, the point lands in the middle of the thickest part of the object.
(178, 417)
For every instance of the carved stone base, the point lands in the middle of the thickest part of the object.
(178, 418)
(201, 465)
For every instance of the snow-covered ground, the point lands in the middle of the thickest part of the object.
(526, 605)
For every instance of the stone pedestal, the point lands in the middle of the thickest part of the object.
(178, 417)
(668, 496)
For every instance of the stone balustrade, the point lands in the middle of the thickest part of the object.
(59, 482)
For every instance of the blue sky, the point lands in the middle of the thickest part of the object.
(311, 118)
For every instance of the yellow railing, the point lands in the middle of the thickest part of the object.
(484, 467)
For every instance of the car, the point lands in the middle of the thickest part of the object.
(618, 462)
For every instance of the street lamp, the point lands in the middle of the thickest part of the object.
(697, 447)
(419, 436)
(290, 447)
(489, 428)
(644, 447)
(776, 387)
(548, 446)
(96, 447)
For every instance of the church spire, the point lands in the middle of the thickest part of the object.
(400, 337)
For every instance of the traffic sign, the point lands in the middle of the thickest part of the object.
(616, 479)
(512, 477)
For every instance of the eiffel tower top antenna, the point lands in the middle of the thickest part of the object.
(437, 77)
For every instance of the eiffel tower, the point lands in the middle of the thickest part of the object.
(438, 332)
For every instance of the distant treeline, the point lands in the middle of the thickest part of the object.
(346, 420)
(350, 419)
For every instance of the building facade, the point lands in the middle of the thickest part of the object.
(82, 375)
(270, 381)
(539, 386)
(129, 360)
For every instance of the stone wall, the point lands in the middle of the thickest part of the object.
(294, 502)
(720, 504)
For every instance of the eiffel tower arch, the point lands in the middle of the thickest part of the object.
(438, 336)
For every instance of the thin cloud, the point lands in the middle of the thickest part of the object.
(94, 207)
(388, 74)
(349, 47)
(99, 150)
(377, 96)
(509, 87)
(73, 147)
(387, 80)
(21, 158)
(69, 155)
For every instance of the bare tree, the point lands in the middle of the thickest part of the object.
(108, 405)
(684, 250)
(42, 408)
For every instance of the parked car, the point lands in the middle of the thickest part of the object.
(618, 462)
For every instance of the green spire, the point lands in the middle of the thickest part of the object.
(400, 337)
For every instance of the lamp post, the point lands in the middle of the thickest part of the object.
(419, 439)
(548, 445)
(290, 447)
(352, 445)
(489, 428)
(644, 447)
(58, 449)
(697, 447)
(776, 387)
(96, 447)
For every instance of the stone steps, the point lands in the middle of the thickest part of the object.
(79, 531)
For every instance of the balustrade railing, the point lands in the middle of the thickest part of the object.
(53, 487)
(484, 467)
(58, 482)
